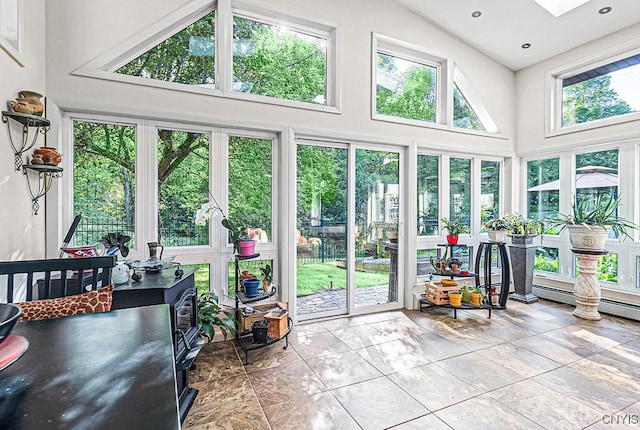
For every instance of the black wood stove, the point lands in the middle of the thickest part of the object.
(182, 297)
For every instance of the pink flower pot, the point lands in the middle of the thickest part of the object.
(247, 248)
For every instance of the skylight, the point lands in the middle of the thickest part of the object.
(560, 7)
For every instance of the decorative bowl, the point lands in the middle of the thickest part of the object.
(9, 316)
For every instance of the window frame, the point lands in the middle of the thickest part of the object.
(103, 66)
(554, 93)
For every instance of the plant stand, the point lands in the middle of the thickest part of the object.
(523, 253)
(587, 288)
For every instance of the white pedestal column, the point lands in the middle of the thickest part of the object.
(587, 288)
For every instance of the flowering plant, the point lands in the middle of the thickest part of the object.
(209, 210)
(497, 224)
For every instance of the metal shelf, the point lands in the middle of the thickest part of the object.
(46, 175)
(40, 124)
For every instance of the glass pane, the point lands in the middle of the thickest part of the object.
(606, 268)
(250, 167)
(203, 283)
(424, 260)
(405, 89)
(187, 57)
(489, 191)
(428, 187)
(277, 62)
(321, 236)
(252, 267)
(606, 91)
(543, 189)
(104, 180)
(376, 212)
(546, 260)
(460, 190)
(597, 175)
(183, 184)
(463, 114)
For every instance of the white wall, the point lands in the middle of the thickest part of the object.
(530, 96)
(22, 232)
(78, 31)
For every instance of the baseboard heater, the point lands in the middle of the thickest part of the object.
(607, 306)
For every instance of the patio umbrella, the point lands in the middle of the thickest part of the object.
(586, 177)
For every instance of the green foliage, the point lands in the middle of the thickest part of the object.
(416, 96)
(317, 277)
(546, 263)
(186, 57)
(521, 226)
(211, 315)
(591, 100)
(455, 227)
(601, 210)
(463, 114)
(267, 273)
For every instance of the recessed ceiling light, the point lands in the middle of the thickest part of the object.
(477, 13)
(604, 10)
(526, 45)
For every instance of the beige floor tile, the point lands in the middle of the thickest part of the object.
(601, 396)
(308, 328)
(316, 412)
(394, 356)
(481, 373)
(520, 360)
(285, 382)
(318, 344)
(609, 370)
(216, 359)
(399, 328)
(484, 413)
(545, 406)
(345, 368)
(433, 386)
(360, 336)
(378, 404)
(269, 357)
(430, 422)
(554, 348)
(344, 322)
(228, 402)
(629, 418)
(436, 347)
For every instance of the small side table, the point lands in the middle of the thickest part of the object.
(587, 288)
(487, 247)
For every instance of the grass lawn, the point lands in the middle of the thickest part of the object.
(311, 278)
(316, 277)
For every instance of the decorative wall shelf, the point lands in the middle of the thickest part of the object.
(46, 175)
(40, 124)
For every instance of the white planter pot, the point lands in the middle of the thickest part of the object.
(591, 238)
(496, 235)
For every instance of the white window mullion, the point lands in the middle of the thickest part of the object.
(224, 47)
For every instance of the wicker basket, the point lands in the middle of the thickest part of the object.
(437, 293)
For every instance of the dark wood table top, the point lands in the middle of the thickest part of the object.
(112, 370)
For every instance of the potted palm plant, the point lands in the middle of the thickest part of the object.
(455, 228)
(590, 221)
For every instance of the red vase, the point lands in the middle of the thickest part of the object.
(452, 239)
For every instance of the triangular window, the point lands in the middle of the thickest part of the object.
(463, 114)
(187, 57)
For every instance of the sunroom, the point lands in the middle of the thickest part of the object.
(338, 134)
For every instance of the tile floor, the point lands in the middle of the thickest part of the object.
(528, 367)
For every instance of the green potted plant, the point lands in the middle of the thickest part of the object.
(497, 229)
(211, 315)
(441, 264)
(267, 276)
(590, 221)
(476, 296)
(455, 228)
(520, 227)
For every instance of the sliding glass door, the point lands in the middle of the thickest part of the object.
(342, 266)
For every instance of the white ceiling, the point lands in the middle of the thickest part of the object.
(505, 25)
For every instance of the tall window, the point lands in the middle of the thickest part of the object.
(104, 180)
(460, 190)
(605, 91)
(543, 188)
(250, 185)
(278, 62)
(405, 88)
(183, 178)
(428, 210)
(188, 57)
(489, 190)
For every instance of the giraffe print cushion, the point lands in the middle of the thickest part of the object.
(93, 301)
